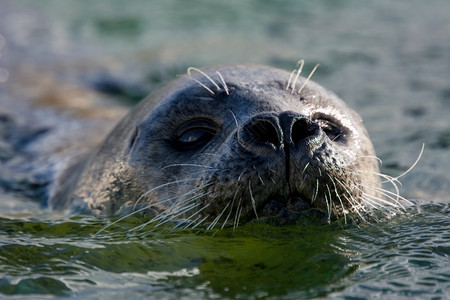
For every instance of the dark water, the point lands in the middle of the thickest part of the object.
(389, 60)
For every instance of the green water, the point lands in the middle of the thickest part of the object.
(388, 59)
(67, 257)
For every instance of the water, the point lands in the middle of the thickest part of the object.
(68, 257)
(389, 61)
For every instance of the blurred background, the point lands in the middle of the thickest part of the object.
(390, 60)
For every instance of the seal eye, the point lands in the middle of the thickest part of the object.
(193, 138)
(194, 135)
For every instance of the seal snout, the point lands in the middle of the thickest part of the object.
(269, 133)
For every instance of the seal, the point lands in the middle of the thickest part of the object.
(229, 145)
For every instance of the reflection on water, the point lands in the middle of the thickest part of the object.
(64, 257)
(388, 60)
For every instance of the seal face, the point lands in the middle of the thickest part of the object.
(228, 145)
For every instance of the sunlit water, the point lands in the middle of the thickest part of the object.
(389, 61)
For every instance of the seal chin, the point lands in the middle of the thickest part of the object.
(293, 210)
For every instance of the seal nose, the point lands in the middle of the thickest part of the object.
(262, 133)
(297, 128)
(266, 133)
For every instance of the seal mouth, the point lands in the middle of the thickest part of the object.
(279, 204)
(291, 210)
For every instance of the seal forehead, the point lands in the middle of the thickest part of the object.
(263, 84)
(251, 75)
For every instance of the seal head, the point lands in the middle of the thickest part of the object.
(229, 145)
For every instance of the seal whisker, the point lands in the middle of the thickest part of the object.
(120, 219)
(189, 222)
(177, 214)
(414, 164)
(370, 204)
(187, 165)
(316, 191)
(240, 175)
(336, 137)
(190, 69)
(223, 83)
(378, 202)
(304, 169)
(339, 198)
(175, 207)
(158, 219)
(171, 198)
(231, 209)
(204, 86)
(238, 212)
(238, 135)
(198, 212)
(238, 216)
(392, 181)
(204, 154)
(178, 211)
(370, 156)
(308, 78)
(356, 207)
(158, 187)
(178, 181)
(201, 221)
(299, 71)
(394, 196)
(217, 171)
(373, 201)
(389, 179)
(330, 207)
(253, 199)
(405, 172)
(162, 218)
(380, 207)
(273, 171)
(176, 204)
(397, 199)
(328, 203)
(290, 79)
(216, 220)
(145, 207)
(169, 211)
(260, 179)
(272, 179)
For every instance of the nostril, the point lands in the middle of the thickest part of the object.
(264, 132)
(302, 129)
